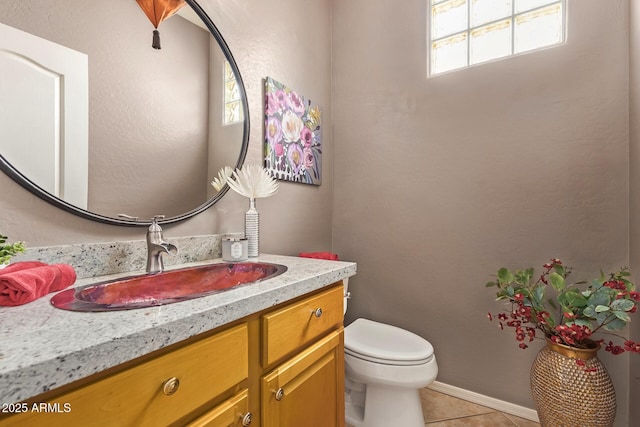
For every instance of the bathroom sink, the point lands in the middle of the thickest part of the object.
(151, 290)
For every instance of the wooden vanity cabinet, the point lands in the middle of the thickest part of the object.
(305, 341)
(278, 368)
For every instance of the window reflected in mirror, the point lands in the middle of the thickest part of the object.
(232, 104)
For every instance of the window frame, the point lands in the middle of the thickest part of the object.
(225, 101)
(469, 29)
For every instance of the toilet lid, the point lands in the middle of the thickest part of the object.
(384, 343)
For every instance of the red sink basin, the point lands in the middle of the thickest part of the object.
(164, 288)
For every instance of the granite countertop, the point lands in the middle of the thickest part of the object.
(42, 347)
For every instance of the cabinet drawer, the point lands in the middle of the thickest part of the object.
(296, 325)
(142, 395)
(230, 413)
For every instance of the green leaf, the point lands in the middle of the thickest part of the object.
(538, 295)
(523, 277)
(490, 284)
(557, 281)
(559, 269)
(505, 276)
(603, 278)
(529, 272)
(590, 311)
(551, 322)
(596, 284)
(575, 299)
(615, 325)
(603, 317)
(629, 285)
(600, 297)
(552, 304)
(602, 308)
(622, 305)
(622, 315)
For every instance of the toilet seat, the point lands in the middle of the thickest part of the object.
(385, 344)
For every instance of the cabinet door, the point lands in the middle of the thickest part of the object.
(230, 413)
(307, 390)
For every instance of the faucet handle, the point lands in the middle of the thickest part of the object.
(154, 223)
(125, 216)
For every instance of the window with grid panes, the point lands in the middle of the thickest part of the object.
(232, 105)
(469, 32)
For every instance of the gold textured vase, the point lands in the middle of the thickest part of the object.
(572, 388)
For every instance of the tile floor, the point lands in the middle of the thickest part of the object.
(441, 410)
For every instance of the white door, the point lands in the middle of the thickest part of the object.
(44, 110)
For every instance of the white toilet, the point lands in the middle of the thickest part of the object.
(385, 367)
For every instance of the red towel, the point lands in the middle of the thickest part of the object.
(319, 255)
(24, 282)
(17, 266)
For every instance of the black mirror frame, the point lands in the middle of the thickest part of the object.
(25, 182)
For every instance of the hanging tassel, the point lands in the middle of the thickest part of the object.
(156, 40)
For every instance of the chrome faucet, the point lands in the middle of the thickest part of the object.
(156, 246)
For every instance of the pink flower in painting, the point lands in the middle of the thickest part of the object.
(291, 126)
(295, 103)
(309, 159)
(274, 135)
(272, 104)
(306, 137)
(273, 130)
(295, 157)
(281, 97)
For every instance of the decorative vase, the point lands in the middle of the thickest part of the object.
(571, 387)
(252, 229)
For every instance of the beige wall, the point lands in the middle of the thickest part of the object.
(267, 38)
(444, 180)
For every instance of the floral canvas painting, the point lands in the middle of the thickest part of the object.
(292, 143)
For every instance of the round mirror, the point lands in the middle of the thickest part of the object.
(96, 121)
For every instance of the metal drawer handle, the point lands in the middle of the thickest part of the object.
(317, 312)
(170, 386)
(279, 394)
(246, 420)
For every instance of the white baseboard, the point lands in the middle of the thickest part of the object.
(489, 402)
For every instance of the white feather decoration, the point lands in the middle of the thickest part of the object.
(253, 181)
(223, 176)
